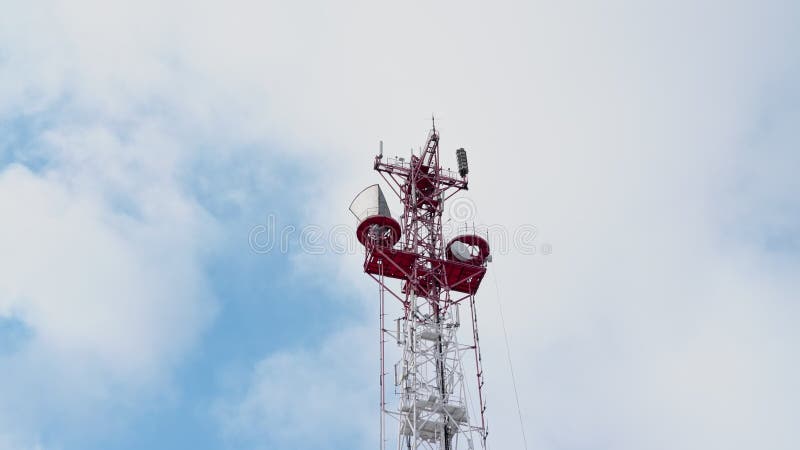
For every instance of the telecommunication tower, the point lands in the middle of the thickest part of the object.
(434, 400)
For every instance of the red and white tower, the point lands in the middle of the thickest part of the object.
(437, 406)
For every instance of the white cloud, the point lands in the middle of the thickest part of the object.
(102, 244)
(105, 318)
(306, 399)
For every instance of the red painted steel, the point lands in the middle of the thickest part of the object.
(419, 258)
(422, 187)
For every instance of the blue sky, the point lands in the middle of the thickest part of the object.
(652, 145)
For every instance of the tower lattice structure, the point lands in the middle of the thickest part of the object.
(437, 405)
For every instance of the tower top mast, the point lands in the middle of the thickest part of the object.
(435, 279)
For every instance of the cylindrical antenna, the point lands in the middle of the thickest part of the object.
(380, 152)
(461, 157)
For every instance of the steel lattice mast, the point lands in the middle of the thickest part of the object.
(432, 390)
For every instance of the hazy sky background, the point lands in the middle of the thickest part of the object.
(653, 145)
